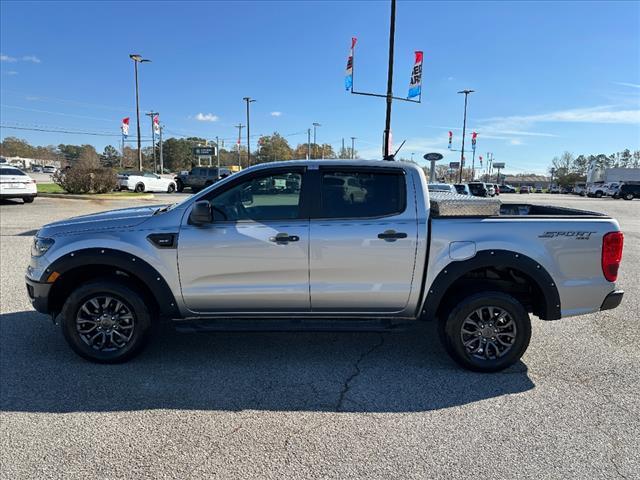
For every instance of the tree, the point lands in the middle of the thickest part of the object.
(16, 147)
(110, 157)
(273, 147)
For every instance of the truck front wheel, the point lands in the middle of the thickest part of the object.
(179, 185)
(105, 321)
(487, 331)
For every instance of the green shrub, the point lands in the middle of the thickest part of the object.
(86, 180)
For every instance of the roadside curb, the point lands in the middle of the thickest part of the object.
(99, 196)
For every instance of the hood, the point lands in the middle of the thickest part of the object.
(112, 219)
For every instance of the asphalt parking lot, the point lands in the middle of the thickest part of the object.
(316, 405)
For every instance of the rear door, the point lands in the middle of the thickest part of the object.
(363, 240)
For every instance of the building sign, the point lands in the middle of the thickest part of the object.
(204, 151)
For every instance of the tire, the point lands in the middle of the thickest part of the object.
(598, 194)
(487, 356)
(179, 186)
(628, 196)
(137, 329)
(139, 188)
(171, 188)
(28, 199)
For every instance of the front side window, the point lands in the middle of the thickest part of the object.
(352, 194)
(270, 197)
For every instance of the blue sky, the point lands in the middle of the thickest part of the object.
(549, 76)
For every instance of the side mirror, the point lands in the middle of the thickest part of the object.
(201, 213)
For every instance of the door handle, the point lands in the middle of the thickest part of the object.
(391, 235)
(284, 238)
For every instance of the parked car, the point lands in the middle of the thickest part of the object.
(611, 189)
(49, 169)
(478, 189)
(14, 183)
(628, 191)
(223, 257)
(442, 187)
(36, 169)
(507, 189)
(462, 188)
(554, 189)
(579, 189)
(525, 189)
(200, 177)
(145, 182)
(538, 190)
(597, 190)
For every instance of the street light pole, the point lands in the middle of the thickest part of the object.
(240, 127)
(315, 145)
(151, 114)
(138, 59)
(464, 129)
(353, 151)
(387, 126)
(248, 100)
(308, 143)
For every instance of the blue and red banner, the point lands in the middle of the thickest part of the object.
(474, 136)
(348, 79)
(415, 84)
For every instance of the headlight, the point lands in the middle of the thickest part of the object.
(40, 246)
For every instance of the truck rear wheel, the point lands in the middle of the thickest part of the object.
(105, 321)
(487, 331)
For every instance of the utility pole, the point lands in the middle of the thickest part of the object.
(218, 153)
(342, 152)
(308, 143)
(138, 59)
(464, 129)
(248, 100)
(151, 114)
(161, 157)
(353, 148)
(315, 144)
(240, 127)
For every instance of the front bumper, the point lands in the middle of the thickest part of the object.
(38, 294)
(612, 300)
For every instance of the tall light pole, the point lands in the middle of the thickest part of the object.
(308, 143)
(353, 150)
(464, 129)
(248, 100)
(136, 60)
(315, 145)
(240, 127)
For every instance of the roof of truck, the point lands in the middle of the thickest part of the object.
(339, 163)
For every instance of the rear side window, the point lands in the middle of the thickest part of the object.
(353, 194)
(11, 171)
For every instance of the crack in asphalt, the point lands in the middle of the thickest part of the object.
(347, 383)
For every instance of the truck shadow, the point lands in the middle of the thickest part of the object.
(353, 372)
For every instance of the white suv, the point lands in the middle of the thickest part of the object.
(14, 183)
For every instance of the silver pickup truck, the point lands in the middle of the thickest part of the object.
(325, 245)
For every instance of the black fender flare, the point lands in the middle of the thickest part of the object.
(126, 262)
(490, 258)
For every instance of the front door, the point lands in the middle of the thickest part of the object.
(254, 256)
(363, 241)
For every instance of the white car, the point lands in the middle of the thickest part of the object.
(145, 182)
(49, 169)
(442, 187)
(14, 183)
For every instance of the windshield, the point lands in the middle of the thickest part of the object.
(11, 171)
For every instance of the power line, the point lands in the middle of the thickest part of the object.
(33, 129)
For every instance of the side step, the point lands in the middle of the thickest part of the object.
(291, 325)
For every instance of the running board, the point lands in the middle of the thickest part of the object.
(290, 325)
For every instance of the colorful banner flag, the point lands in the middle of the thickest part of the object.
(348, 79)
(415, 85)
(474, 135)
(450, 139)
(480, 161)
(125, 127)
(156, 124)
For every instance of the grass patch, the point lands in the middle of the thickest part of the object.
(55, 188)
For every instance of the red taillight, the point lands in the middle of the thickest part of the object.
(611, 254)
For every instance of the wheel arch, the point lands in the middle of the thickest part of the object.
(497, 270)
(84, 265)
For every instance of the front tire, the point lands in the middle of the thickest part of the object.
(486, 332)
(139, 188)
(628, 196)
(171, 188)
(598, 194)
(179, 186)
(106, 321)
(28, 199)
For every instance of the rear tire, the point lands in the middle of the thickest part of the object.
(628, 196)
(28, 199)
(598, 194)
(179, 186)
(105, 321)
(171, 188)
(486, 331)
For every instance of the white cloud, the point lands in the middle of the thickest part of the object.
(600, 114)
(515, 141)
(276, 114)
(31, 58)
(12, 72)
(7, 58)
(625, 84)
(206, 117)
